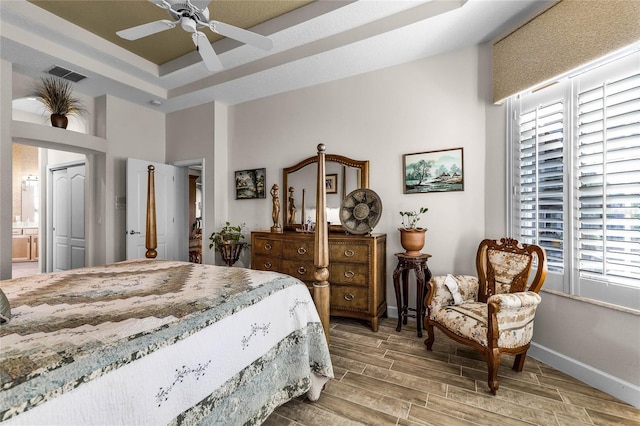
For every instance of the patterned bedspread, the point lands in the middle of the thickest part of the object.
(158, 342)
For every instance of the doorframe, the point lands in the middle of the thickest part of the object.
(48, 226)
(187, 164)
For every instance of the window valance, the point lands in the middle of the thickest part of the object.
(569, 34)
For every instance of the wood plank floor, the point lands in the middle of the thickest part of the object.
(389, 378)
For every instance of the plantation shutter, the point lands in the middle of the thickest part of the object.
(541, 180)
(608, 152)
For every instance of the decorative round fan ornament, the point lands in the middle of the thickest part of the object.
(360, 211)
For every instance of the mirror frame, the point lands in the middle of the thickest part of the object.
(362, 167)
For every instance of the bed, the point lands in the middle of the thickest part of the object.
(152, 341)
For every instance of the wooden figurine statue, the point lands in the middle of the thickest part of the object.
(291, 214)
(275, 213)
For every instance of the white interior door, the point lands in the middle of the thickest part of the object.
(167, 209)
(68, 230)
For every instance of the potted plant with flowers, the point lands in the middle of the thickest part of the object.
(412, 236)
(228, 242)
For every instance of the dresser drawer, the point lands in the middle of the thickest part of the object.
(348, 253)
(349, 298)
(298, 250)
(299, 269)
(349, 273)
(266, 263)
(266, 247)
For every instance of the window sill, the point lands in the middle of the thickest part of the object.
(593, 302)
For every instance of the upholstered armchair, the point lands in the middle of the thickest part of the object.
(494, 311)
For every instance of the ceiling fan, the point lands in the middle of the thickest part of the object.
(193, 15)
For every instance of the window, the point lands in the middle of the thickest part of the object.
(575, 179)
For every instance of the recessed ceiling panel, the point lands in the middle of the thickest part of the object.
(104, 18)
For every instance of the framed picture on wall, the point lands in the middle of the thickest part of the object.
(433, 171)
(331, 182)
(250, 184)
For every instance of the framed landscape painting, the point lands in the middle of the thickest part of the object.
(250, 184)
(434, 171)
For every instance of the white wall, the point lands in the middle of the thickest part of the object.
(6, 190)
(431, 104)
(192, 134)
(131, 132)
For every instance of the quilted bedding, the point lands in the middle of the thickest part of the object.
(158, 342)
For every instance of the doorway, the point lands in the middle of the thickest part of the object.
(25, 211)
(31, 252)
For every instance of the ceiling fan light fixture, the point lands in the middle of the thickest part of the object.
(188, 24)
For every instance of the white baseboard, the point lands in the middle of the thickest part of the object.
(605, 382)
(392, 312)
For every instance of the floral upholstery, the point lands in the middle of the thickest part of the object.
(470, 320)
(467, 285)
(506, 266)
(498, 306)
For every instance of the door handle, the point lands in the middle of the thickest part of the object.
(132, 232)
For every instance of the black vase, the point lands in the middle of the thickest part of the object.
(59, 120)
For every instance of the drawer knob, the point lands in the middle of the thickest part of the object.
(349, 253)
(349, 274)
(268, 265)
(267, 246)
(349, 297)
(302, 250)
(302, 270)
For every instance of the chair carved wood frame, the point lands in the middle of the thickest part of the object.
(498, 306)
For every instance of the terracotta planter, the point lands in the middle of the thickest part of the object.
(58, 120)
(412, 240)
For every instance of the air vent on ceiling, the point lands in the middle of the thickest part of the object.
(66, 74)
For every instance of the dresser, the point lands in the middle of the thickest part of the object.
(357, 268)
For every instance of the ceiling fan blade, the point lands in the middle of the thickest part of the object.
(144, 30)
(241, 35)
(206, 51)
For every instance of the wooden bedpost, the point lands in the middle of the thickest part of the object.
(151, 241)
(321, 291)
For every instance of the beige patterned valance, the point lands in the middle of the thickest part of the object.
(569, 34)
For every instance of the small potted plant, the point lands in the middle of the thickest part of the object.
(57, 97)
(228, 242)
(411, 236)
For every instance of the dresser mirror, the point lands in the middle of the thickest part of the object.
(343, 175)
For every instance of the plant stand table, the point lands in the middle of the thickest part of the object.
(418, 264)
(230, 251)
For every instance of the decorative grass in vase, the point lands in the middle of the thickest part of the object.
(57, 97)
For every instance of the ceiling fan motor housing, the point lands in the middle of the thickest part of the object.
(181, 10)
